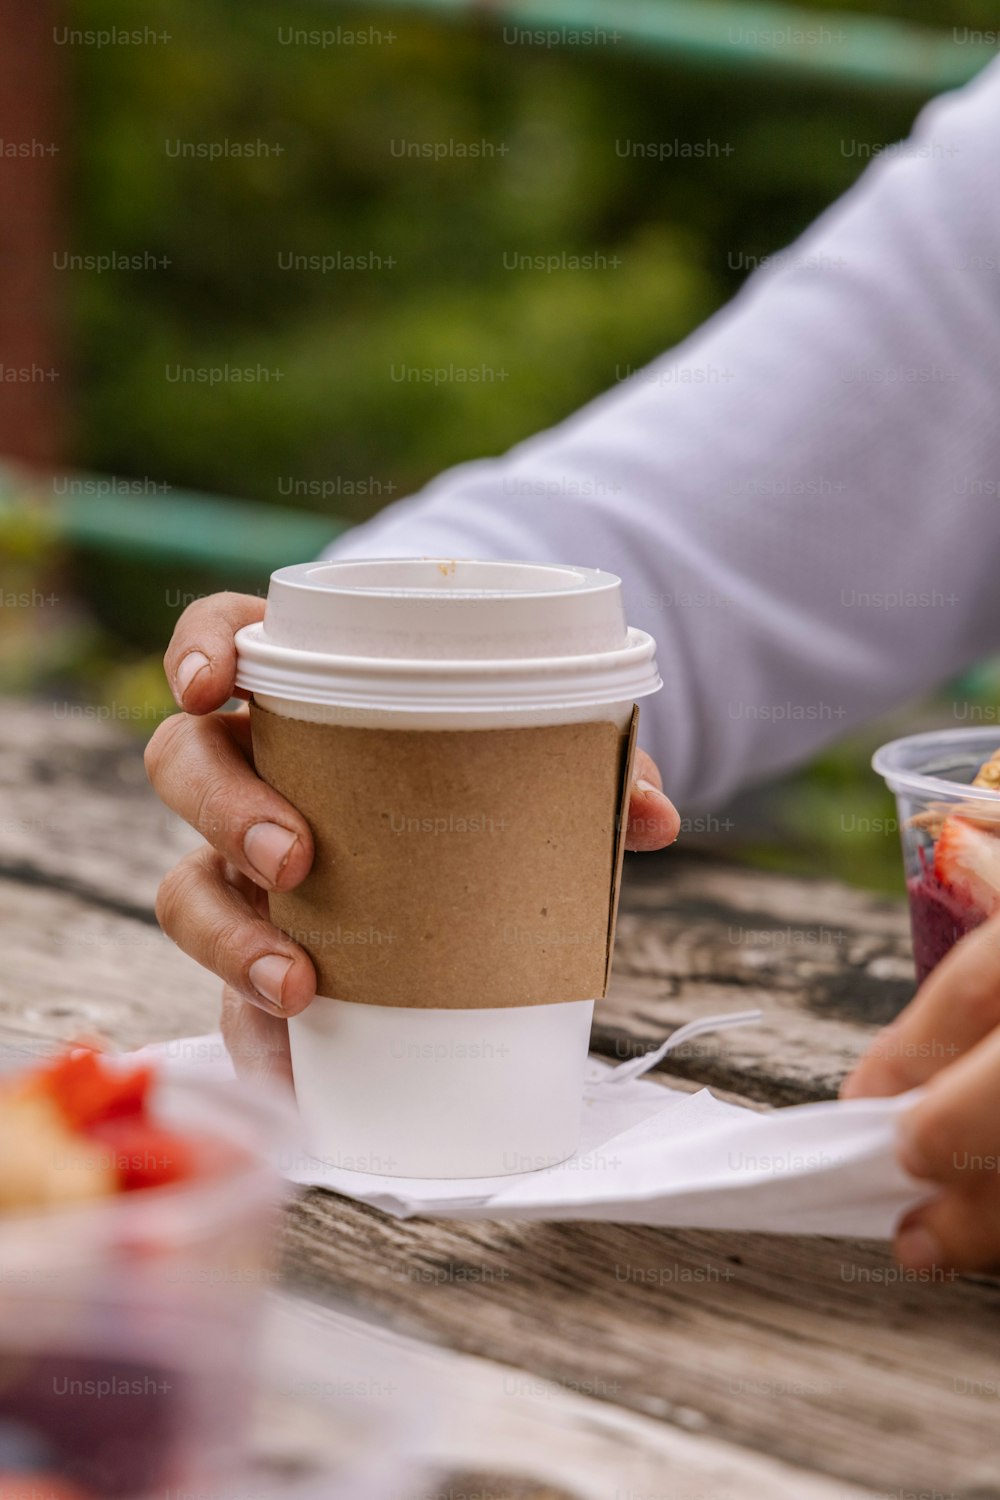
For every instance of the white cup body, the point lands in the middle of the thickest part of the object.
(416, 1092)
(408, 1092)
(425, 1092)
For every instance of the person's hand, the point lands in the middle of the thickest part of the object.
(948, 1039)
(213, 904)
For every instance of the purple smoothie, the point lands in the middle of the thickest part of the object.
(937, 920)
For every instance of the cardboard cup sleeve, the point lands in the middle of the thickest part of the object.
(455, 869)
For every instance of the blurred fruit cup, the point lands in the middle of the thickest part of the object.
(129, 1323)
(950, 832)
(351, 1410)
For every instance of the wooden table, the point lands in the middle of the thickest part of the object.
(605, 1361)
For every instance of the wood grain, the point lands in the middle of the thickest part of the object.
(827, 966)
(76, 810)
(483, 1430)
(813, 1350)
(72, 968)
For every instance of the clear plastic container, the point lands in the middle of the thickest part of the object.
(128, 1325)
(950, 833)
(346, 1410)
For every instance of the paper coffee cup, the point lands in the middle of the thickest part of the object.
(458, 735)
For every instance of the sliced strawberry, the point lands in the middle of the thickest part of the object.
(86, 1089)
(967, 861)
(146, 1155)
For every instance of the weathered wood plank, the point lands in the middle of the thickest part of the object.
(825, 964)
(512, 1437)
(813, 1350)
(72, 968)
(76, 808)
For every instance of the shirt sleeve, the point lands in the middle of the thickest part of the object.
(802, 499)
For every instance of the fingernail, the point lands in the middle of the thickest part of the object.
(190, 666)
(267, 847)
(267, 975)
(918, 1249)
(647, 786)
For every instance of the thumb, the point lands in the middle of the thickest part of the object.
(653, 820)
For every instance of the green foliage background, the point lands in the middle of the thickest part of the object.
(679, 228)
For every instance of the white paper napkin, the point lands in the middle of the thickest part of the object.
(650, 1154)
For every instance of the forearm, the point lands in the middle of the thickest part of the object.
(802, 498)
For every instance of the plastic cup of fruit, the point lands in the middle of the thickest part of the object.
(950, 833)
(128, 1324)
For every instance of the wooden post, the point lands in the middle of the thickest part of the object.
(32, 372)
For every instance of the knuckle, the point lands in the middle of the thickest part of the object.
(161, 745)
(232, 950)
(178, 892)
(193, 611)
(933, 1138)
(216, 812)
(172, 897)
(225, 611)
(179, 641)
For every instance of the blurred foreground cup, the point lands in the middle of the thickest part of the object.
(129, 1324)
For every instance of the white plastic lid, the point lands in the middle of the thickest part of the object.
(445, 634)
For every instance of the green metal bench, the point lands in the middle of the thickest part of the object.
(841, 48)
(98, 515)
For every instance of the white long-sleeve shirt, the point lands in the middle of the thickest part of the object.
(803, 498)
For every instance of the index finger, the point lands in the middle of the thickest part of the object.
(200, 661)
(956, 1006)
